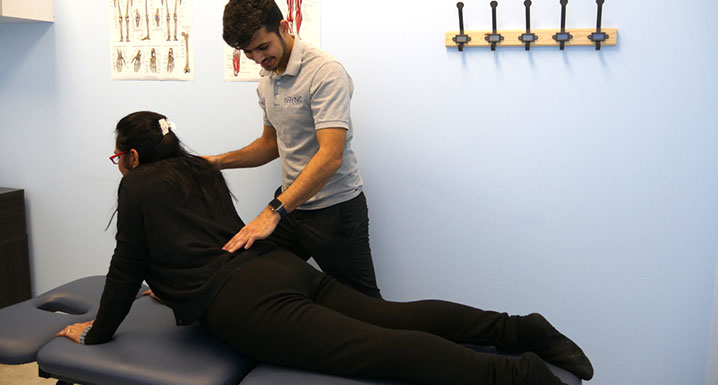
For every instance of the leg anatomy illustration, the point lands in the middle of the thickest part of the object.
(147, 20)
(137, 60)
(174, 17)
(153, 61)
(127, 20)
(236, 60)
(294, 15)
(119, 10)
(186, 45)
(170, 61)
(168, 19)
(145, 51)
(120, 61)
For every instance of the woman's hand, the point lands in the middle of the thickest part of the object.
(74, 331)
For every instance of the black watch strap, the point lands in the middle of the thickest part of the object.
(278, 207)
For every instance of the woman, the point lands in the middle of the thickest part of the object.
(174, 215)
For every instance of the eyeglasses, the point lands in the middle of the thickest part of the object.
(116, 158)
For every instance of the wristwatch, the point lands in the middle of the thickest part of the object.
(278, 207)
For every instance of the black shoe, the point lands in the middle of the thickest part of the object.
(540, 337)
(531, 370)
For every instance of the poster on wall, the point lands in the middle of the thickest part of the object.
(151, 40)
(304, 23)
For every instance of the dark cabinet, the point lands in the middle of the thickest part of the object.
(14, 261)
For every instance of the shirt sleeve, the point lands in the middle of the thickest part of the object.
(128, 267)
(331, 92)
(261, 105)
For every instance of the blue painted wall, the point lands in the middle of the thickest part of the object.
(712, 374)
(579, 184)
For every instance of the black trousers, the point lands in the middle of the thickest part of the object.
(280, 310)
(337, 237)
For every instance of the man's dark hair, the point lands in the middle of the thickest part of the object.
(243, 18)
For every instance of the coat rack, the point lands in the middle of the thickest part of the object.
(528, 38)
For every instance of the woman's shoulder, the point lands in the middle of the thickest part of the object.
(168, 174)
(149, 175)
(155, 170)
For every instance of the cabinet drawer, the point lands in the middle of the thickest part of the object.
(12, 215)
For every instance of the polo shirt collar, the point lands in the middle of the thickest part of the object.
(293, 65)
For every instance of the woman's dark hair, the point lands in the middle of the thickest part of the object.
(142, 131)
(243, 18)
(165, 160)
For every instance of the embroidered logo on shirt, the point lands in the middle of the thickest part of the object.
(293, 100)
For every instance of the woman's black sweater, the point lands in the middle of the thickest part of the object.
(173, 217)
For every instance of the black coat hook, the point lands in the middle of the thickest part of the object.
(598, 36)
(494, 37)
(461, 38)
(528, 37)
(563, 36)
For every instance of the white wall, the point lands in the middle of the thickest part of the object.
(579, 184)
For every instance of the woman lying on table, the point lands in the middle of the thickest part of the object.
(175, 213)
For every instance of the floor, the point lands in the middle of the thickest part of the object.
(22, 375)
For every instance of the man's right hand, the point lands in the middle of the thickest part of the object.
(260, 228)
(214, 160)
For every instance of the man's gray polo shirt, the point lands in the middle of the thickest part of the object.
(313, 93)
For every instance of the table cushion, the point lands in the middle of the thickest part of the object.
(26, 326)
(266, 374)
(147, 349)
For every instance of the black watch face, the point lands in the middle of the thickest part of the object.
(275, 204)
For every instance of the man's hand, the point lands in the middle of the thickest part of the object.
(260, 228)
(214, 160)
(74, 331)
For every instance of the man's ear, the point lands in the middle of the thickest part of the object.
(284, 27)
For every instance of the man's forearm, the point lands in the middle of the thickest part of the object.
(310, 181)
(263, 150)
(318, 171)
(249, 156)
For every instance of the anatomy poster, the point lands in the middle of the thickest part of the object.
(151, 40)
(303, 17)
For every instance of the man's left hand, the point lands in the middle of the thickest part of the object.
(260, 228)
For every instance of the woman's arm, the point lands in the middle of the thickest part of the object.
(76, 332)
(128, 267)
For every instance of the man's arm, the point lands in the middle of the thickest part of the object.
(315, 175)
(319, 170)
(262, 151)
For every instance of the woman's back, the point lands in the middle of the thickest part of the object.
(173, 218)
(186, 208)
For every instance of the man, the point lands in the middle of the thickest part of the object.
(320, 210)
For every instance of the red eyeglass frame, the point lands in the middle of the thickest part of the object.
(114, 158)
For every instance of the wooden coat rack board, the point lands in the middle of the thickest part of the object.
(528, 37)
(544, 38)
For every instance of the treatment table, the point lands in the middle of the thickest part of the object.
(147, 349)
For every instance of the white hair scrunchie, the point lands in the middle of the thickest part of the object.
(166, 126)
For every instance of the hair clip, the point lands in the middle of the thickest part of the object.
(166, 126)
